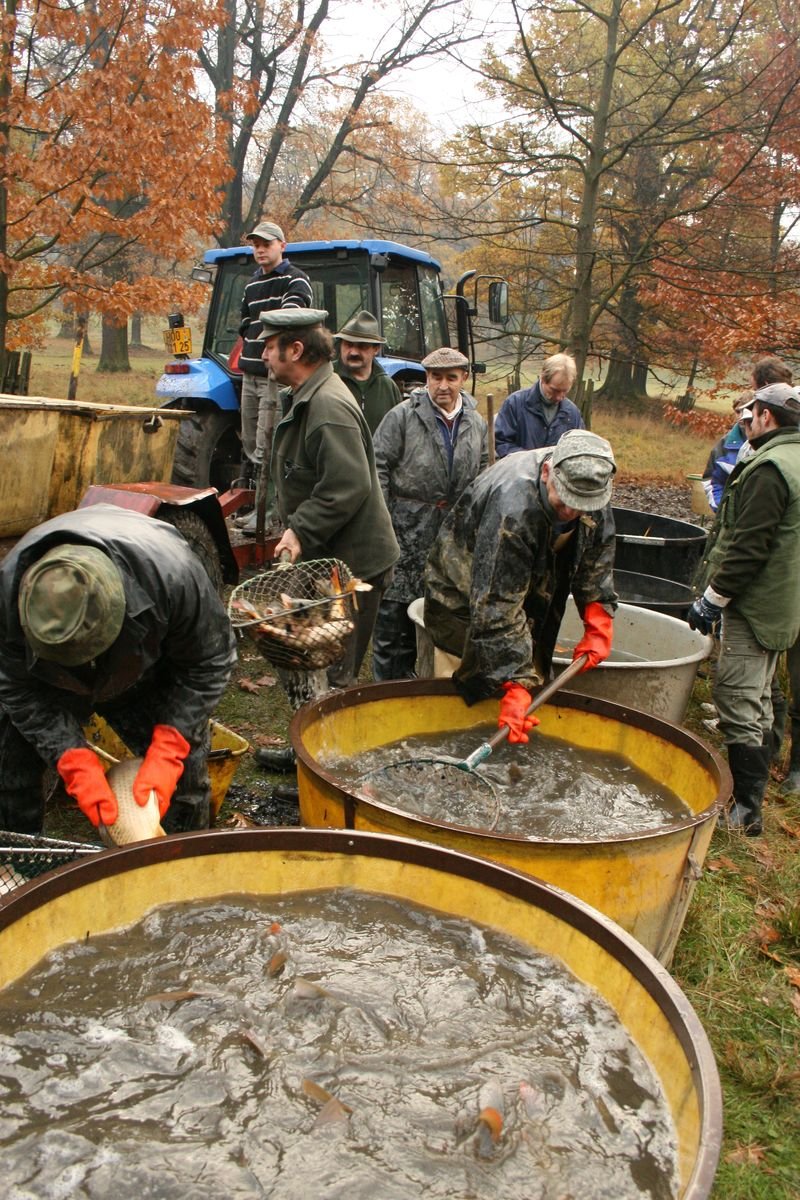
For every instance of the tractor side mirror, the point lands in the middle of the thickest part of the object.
(498, 302)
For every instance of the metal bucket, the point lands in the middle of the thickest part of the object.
(657, 595)
(643, 881)
(659, 676)
(647, 544)
(117, 888)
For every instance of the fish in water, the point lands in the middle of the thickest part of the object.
(135, 822)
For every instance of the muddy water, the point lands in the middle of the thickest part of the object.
(547, 789)
(320, 1045)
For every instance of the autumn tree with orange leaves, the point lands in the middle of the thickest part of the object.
(641, 148)
(106, 147)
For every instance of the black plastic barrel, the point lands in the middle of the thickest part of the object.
(659, 546)
(658, 595)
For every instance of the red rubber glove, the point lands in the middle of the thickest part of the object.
(513, 710)
(85, 780)
(162, 767)
(598, 631)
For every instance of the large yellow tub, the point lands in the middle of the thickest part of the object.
(644, 880)
(117, 888)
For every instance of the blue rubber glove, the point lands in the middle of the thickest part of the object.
(704, 616)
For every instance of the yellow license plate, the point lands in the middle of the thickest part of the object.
(178, 341)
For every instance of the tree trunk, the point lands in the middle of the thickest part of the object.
(114, 351)
(136, 342)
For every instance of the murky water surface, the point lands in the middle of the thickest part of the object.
(320, 1045)
(550, 788)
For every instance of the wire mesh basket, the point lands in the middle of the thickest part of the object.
(300, 615)
(23, 856)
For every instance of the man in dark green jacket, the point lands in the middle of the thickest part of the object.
(360, 343)
(753, 591)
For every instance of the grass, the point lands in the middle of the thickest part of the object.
(738, 958)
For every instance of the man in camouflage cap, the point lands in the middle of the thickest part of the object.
(107, 611)
(528, 531)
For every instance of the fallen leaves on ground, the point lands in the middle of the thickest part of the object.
(255, 686)
(723, 863)
(746, 1156)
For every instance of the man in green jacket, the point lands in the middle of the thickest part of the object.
(753, 591)
(329, 498)
(360, 343)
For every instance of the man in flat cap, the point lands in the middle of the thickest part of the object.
(532, 528)
(537, 416)
(427, 450)
(752, 592)
(329, 498)
(107, 611)
(276, 284)
(360, 343)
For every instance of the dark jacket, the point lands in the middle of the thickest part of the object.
(521, 423)
(327, 487)
(753, 550)
(418, 480)
(176, 635)
(375, 396)
(497, 578)
(285, 287)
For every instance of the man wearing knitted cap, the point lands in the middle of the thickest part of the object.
(752, 592)
(107, 611)
(528, 531)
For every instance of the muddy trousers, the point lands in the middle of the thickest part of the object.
(22, 773)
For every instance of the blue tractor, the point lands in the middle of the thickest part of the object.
(400, 285)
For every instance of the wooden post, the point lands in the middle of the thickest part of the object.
(80, 334)
(490, 423)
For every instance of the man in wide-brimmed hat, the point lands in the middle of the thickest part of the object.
(360, 343)
(106, 611)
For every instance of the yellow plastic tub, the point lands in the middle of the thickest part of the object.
(223, 759)
(643, 880)
(115, 889)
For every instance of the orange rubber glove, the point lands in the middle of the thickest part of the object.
(513, 710)
(162, 767)
(598, 631)
(85, 780)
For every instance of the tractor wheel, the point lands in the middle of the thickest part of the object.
(199, 537)
(208, 451)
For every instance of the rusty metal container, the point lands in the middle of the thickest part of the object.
(67, 445)
(644, 881)
(117, 888)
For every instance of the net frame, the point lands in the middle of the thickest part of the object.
(310, 634)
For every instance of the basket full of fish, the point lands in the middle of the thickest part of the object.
(299, 615)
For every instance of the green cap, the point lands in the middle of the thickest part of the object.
(71, 604)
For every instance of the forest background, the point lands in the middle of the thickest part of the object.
(631, 168)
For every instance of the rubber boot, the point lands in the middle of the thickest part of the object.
(750, 770)
(280, 758)
(791, 783)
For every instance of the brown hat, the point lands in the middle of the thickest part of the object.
(582, 470)
(267, 230)
(71, 604)
(444, 358)
(363, 327)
